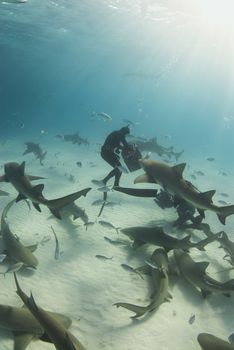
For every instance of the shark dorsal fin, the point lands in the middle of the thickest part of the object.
(208, 195)
(22, 168)
(179, 169)
(38, 189)
(202, 266)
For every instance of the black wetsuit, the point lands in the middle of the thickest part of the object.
(114, 142)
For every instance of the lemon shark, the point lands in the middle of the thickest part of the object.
(171, 179)
(160, 281)
(24, 326)
(56, 331)
(15, 174)
(195, 274)
(210, 342)
(10, 243)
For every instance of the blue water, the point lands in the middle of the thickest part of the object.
(166, 64)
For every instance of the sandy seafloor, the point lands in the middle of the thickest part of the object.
(85, 288)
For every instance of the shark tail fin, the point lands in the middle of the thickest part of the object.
(225, 212)
(55, 205)
(139, 310)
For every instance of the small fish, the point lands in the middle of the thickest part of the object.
(191, 319)
(98, 202)
(22, 125)
(98, 183)
(222, 173)
(103, 257)
(123, 169)
(222, 202)
(112, 204)
(199, 172)
(79, 164)
(108, 225)
(2, 257)
(45, 239)
(13, 268)
(223, 194)
(104, 116)
(193, 176)
(89, 224)
(210, 159)
(57, 252)
(104, 189)
(131, 269)
(116, 242)
(152, 264)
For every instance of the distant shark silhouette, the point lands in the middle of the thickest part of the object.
(171, 179)
(152, 145)
(36, 150)
(74, 138)
(15, 174)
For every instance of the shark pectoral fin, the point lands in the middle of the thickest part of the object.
(201, 212)
(205, 293)
(38, 189)
(224, 212)
(22, 340)
(22, 168)
(202, 266)
(20, 197)
(144, 178)
(208, 195)
(36, 206)
(32, 247)
(32, 178)
(56, 213)
(179, 169)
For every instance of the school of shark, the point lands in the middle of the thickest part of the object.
(170, 258)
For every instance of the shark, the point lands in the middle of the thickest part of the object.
(152, 145)
(24, 326)
(76, 139)
(156, 235)
(10, 243)
(210, 342)
(36, 150)
(171, 179)
(159, 275)
(59, 335)
(195, 274)
(228, 246)
(15, 174)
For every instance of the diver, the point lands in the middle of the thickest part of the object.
(164, 199)
(114, 143)
(184, 210)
